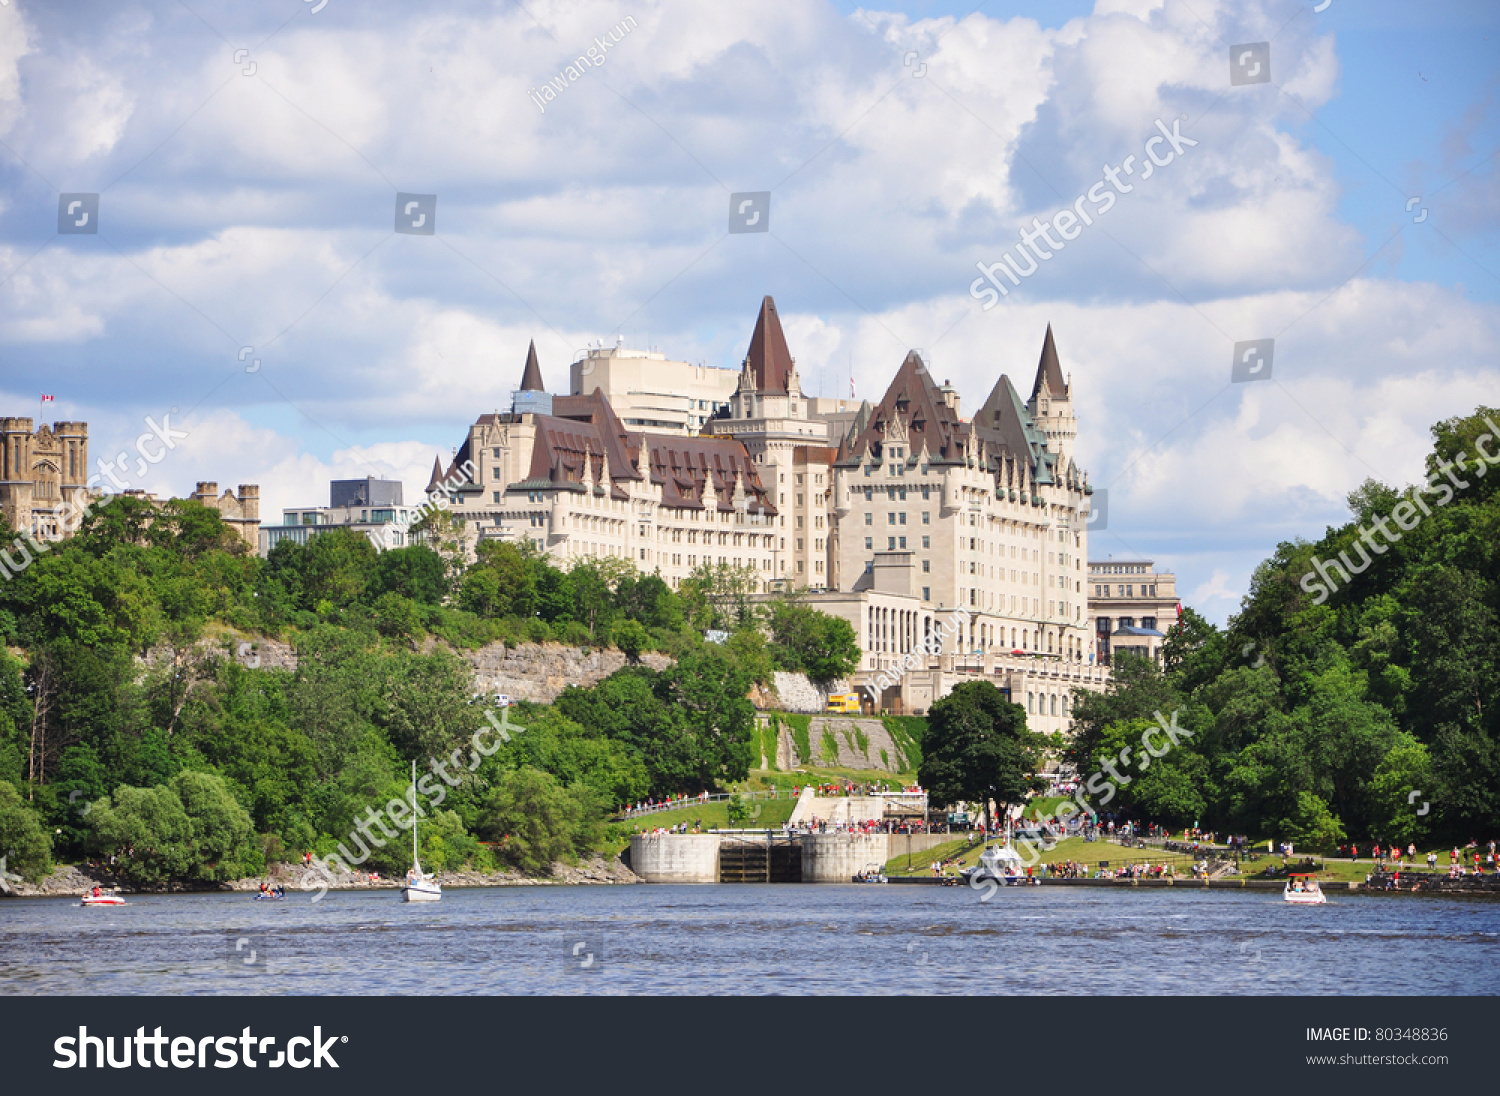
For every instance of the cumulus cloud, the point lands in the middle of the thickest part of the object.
(256, 211)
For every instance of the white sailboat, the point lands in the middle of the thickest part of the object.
(420, 886)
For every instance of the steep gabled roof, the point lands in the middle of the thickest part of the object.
(573, 446)
(1049, 374)
(768, 359)
(531, 378)
(702, 472)
(856, 428)
(1005, 425)
(916, 402)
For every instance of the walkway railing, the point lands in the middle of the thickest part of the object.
(702, 800)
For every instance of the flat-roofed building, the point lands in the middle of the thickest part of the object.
(649, 391)
(372, 507)
(1132, 605)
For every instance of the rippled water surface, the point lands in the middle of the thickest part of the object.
(754, 939)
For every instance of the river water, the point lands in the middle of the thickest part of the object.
(754, 939)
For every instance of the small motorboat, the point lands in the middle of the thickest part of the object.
(1303, 890)
(267, 896)
(871, 874)
(998, 862)
(102, 899)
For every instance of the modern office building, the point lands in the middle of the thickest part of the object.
(370, 506)
(646, 390)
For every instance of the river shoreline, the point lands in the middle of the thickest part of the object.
(73, 881)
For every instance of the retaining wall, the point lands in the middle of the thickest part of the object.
(838, 857)
(675, 857)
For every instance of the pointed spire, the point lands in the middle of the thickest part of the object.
(437, 474)
(1049, 375)
(769, 360)
(531, 379)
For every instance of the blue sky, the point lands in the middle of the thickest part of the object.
(249, 203)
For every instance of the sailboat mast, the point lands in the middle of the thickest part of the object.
(414, 813)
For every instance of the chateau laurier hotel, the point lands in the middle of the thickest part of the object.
(894, 516)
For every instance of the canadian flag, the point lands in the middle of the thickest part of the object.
(48, 399)
(851, 388)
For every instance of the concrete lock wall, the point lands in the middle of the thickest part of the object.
(838, 857)
(675, 857)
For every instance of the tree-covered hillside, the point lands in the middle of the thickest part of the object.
(129, 728)
(1336, 706)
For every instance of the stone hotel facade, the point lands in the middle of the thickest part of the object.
(895, 515)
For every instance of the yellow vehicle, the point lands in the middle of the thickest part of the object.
(843, 702)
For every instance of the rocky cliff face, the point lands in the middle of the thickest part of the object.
(540, 671)
(530, 671)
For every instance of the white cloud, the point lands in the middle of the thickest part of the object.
(265, 221)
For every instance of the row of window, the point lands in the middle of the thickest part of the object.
(1126, 590)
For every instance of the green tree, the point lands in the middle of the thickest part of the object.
(191, 829)
(1313, 825)
(803, 640)
(24, 844)
(532, 819)
(978, 748)
(415, 572)
(1405, 769)
(631, 637)
(398, 617)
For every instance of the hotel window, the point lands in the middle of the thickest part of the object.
(869, 494)
(869, 543)
(926, 492)
(926, 542)
(799, 544)
(903, 517)
(927, 566)
(903, 542)
(497, 496)
(890, 519)
(926, 517)
(926, 593)
(497, 452)
(890, 544)
(869, 518)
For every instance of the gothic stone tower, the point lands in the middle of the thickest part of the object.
(40, 472)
